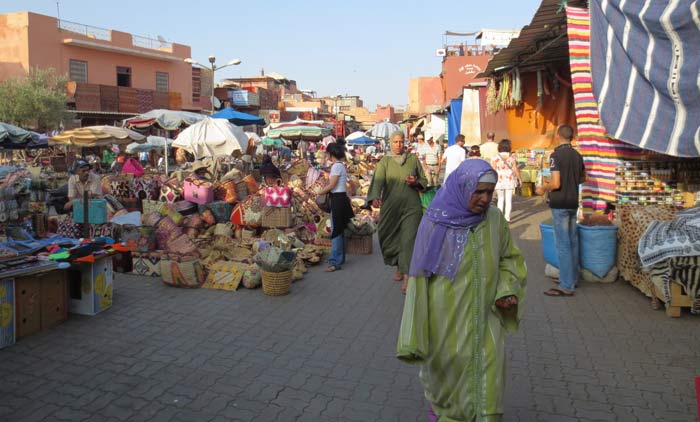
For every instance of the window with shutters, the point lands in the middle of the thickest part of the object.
(78, 71)
(196, 84)
(162, 82)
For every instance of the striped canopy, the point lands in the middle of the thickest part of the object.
(299, 132)
(97, 136)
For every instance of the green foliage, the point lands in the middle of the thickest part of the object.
(36, 101)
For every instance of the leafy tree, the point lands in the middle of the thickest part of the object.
(35, 101)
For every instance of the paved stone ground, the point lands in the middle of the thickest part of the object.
(325, 353)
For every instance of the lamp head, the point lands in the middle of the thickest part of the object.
(234, 62)
(190, 61)
(212, 59)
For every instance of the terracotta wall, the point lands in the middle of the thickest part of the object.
(14, 46)
(45, 48)
(385, 113)
(530, 126)
(459, 71)
(425, 95)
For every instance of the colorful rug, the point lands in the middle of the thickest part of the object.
(601, 154)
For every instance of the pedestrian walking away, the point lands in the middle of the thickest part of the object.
(506, 166)
(453, 156)
(465, 293)
(489, 149)
(396, 185)
(567, 173)
(341, 209)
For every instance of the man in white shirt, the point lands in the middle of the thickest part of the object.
(454, 156)
(83, 181)
(430, 156)
(417, 147)
(489, 149)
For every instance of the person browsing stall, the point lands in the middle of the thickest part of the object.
(454, 156)
(83, 180)
(341, 209)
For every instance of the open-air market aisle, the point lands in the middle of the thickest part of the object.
(325, 352)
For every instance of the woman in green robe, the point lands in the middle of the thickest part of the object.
(398, 180)
(466, 291)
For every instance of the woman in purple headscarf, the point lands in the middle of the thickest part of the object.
(466, 291)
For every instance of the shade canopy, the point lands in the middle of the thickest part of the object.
(272, 142)
(211, 138)
(383, 130)
(298, 122)
(97, 136)
(165, 119)
(299, 132)
(152, 143)
(238, 118)
(13, 135)
(363, 140)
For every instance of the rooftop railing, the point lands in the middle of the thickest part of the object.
(159, 44)
(86, 30)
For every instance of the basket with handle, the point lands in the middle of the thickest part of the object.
(276, 284)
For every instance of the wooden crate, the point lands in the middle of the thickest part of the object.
(28, 306)
(54, 299)
(678, 300)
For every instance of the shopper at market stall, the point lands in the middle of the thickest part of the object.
(341, 209)
(567, 173)
(454, 156)
(396, 185)
(465, 294)
(489, 149)
(83, 180)
(506, 166)
(431, 156)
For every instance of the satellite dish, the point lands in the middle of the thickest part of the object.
(161, 38)
(217, 103)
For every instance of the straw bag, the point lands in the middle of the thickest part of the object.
(150, 206)
(251, 184)
(276, 284)
(181, 244)
(182, 271)
(278, 195)
(227, 192)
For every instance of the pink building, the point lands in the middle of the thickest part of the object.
(113, 73)
(385, 113)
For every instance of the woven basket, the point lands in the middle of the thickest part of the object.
(276, 284)
(274, 217)
(358, 245)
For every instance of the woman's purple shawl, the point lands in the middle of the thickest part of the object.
(446, 224)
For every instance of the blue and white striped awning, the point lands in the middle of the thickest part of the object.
(645, 66)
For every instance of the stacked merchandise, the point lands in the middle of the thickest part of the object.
(656, 182)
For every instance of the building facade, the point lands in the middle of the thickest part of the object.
(112, 73)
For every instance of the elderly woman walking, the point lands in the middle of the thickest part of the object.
(398, 180)
(465, 293)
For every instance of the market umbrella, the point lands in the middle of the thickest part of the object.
(272, 142)
(166, 119)
(299, 132)
(152, 142)
(238, 118)
(363, 140)
(211, 137)
(383, 130)
(298, 122)
(12, 136)
(97, 136)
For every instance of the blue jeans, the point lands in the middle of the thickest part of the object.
(566, 240)
(337, 256)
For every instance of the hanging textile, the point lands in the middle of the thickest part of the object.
(454, 121)
(601, 154)
(645, 66)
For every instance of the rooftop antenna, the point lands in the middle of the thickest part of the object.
(58, 12)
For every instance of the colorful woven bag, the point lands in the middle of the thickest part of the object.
(182, 271)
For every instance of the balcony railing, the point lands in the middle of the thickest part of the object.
(150, 43)
(86, 30)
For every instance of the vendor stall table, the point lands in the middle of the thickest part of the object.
(41, 301)
(7, 312)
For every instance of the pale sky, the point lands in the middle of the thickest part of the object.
(358, 47)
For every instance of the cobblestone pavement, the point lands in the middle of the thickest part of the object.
(325, 353)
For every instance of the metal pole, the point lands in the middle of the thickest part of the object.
(213, 70)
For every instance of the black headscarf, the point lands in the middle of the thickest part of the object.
(268, 168)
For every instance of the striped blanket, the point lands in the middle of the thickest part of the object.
(645, 66)
(600, 153)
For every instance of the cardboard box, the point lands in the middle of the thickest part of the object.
(91, 286)
(7, 312)
(27, 306)
(54, 298)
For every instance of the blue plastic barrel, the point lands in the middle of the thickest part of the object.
(549, 248)
(598, 248)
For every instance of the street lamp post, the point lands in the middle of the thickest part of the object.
(213, 68)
